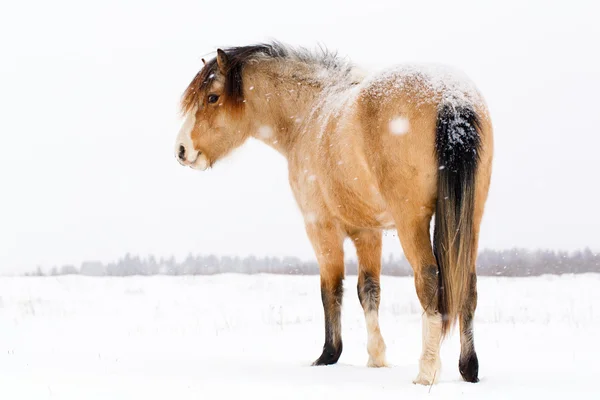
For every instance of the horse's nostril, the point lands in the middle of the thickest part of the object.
(181, 153)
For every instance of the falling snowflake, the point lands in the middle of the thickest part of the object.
(265, 132)
(310, 218)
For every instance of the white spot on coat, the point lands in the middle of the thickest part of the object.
(399, 126)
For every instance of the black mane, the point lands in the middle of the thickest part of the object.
(238, 57)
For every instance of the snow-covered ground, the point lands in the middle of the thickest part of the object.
(237, 336)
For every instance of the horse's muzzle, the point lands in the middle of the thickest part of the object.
(193, 159)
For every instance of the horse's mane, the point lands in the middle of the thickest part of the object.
(238, 57)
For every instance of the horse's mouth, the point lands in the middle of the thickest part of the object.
(201, 163)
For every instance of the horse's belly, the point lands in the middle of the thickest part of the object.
(358, 204)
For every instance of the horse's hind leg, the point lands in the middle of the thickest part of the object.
(368, 249)
(413, 230)
(468, 364)
(327, 239)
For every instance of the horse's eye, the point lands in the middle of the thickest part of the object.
(213, 98)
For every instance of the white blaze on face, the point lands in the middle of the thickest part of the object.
(399, 126)
(184, 138)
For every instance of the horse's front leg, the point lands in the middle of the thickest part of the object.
(327, 239)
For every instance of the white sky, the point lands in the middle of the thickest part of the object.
(89, 113)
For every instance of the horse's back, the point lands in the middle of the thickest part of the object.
(397, 111)
(417, 91)
(378, 149)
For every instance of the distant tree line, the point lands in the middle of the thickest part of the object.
(515, 262)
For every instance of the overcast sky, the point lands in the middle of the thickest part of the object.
(89, 97)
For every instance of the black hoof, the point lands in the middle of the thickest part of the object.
(330, 355)
(469, 368)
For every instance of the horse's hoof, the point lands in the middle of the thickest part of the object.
(324, 360)
(329, 356)
(469, 368)
(376, 349)
(429, 371)
(377, 363)
(423, 380)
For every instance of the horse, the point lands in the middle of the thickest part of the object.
(366, 152)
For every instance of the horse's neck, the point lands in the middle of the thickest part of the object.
(284, 101)
(279, 108)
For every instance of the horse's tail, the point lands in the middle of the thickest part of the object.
(457, 145)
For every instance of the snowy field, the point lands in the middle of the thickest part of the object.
(237, 336)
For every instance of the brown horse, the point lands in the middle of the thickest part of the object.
(365, 153)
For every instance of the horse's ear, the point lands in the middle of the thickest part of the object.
(222, 61)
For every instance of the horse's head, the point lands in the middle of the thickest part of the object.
(213, 104)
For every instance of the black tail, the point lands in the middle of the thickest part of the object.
(457, 145)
